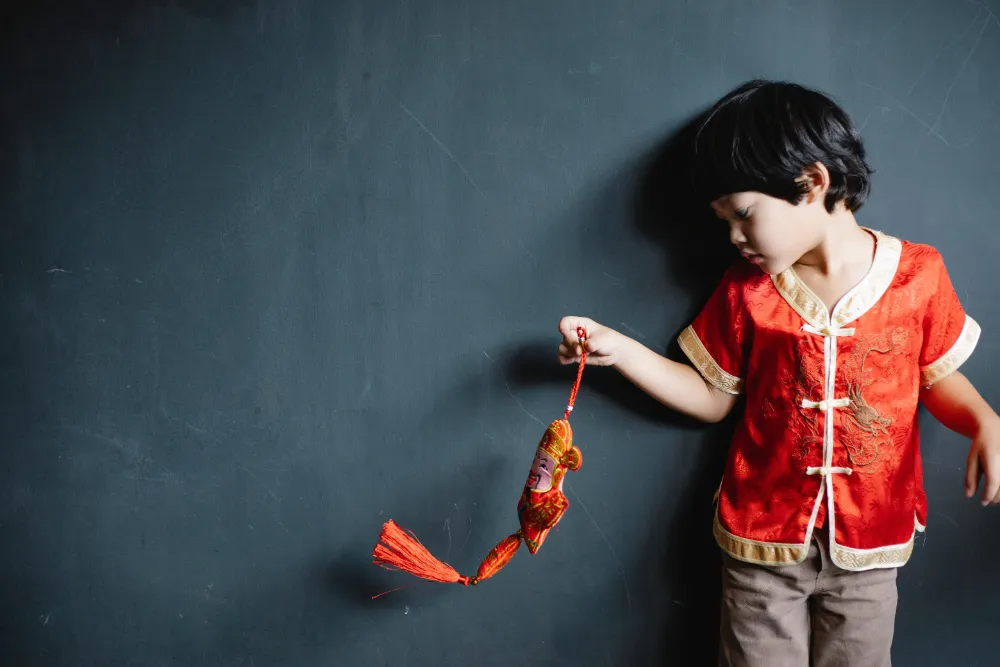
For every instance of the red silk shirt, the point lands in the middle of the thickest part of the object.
(829, 437)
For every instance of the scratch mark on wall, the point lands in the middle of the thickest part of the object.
(257, 479)
(961, 71)
(941, 53)
(948, 518)
(618, 281)
(516, 399)
(467, 536)
(633, 331)
(604, 537)
(930, 130)
(444, 148)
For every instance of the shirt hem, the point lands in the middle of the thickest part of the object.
(846, 558)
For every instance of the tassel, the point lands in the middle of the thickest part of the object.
(400, 549)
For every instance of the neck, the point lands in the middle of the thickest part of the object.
(842, 243)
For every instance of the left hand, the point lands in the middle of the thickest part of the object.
(984, 461)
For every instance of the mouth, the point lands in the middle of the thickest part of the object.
(752, 257)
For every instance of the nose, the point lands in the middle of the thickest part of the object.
(736, 235)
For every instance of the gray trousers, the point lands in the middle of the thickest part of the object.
(813, 614)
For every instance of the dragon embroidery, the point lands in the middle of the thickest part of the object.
(806, 383)
(866, 427)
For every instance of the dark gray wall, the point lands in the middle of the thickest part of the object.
(272, 272)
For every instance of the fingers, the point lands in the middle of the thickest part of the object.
(568, 354)
(992, 487)
(599, 353)
(568, 328)
(972, 472)
(982, 463)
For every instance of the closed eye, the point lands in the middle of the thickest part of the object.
(742, 213)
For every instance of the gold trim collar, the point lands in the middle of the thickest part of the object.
(859, 300)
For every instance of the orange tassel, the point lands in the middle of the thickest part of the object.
(401, 550)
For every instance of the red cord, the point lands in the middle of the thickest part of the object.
(582, 334)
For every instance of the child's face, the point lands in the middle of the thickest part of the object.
(771, 232)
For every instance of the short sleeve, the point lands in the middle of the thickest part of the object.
(716, 342)
(949, 334)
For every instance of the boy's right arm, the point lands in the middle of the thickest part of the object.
(678, 386)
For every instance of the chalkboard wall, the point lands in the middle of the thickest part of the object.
(275, 271)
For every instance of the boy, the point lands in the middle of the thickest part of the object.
(834, 332)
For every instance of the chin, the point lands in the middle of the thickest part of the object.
(772, 268)
(764, 264)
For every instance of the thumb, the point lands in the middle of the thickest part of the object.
(972, 472)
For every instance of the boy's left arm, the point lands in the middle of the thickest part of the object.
(955, 403)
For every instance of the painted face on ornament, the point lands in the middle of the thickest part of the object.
(540, 476)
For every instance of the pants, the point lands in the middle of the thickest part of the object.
(813, 614)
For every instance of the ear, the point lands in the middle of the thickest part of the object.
(815, 180)
(557, 478)
(573, 459)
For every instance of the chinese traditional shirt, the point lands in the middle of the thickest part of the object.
(829, 437)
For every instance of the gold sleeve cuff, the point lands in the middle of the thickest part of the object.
(953, 358)
(692, 346)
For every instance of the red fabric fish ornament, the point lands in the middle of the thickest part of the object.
(540, 507)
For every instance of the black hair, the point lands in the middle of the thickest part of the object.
(762, 135)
